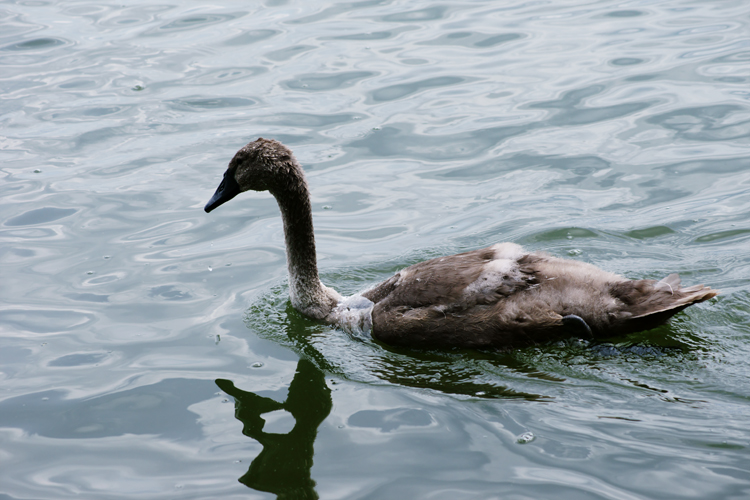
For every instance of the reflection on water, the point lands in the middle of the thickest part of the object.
(283, 467)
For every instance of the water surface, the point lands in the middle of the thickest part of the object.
(148, 350)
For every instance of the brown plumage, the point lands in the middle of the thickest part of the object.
(496, 297)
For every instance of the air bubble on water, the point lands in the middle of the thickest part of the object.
(210, 268)
(327, 207)
(218, 338)
(257, 364)
(575, 251)
(90, 272)
(525, 438)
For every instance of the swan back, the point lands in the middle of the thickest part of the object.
(503, 297)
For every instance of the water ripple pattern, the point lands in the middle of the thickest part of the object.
(137, 332)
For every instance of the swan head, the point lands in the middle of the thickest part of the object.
(261, 165)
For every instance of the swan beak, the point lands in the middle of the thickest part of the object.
(227, 190)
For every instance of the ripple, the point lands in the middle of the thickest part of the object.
(46, 320)
(226, 75)
(103, 279)
(40, 216)
(79, 83)
(202, 103)
(98, 112)
(198, 21)
(626, 61)
(706, 123)
(31, 233)
(649, 232)
(123, 17)
(88, 297)
(625, 13)
(572, 113)
(80, 359)
(735, 57)
(426, 14)
(399, 140)
(288, 52)
(377, 35)
(563, 234)
(318, 82)
(308, 120)
(390, 420)
(396, 92)
(735, 234)
(36, 44)
(123, 412)
(471, 39)
(652, 197)
(165, 229)
(170, 292)
(251, 36)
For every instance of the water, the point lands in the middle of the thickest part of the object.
(147, 350)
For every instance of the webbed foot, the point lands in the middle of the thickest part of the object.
(577, 324)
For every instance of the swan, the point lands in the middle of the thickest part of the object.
(500, 297)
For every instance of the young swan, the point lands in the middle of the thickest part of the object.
(497, 297)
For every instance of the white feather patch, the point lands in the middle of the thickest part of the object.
(510, 251)
(354, 315)
(493, 275)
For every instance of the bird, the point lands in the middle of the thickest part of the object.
(497, 298)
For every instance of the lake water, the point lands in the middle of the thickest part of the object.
(148, 350)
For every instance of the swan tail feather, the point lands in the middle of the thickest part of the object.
(648, 304)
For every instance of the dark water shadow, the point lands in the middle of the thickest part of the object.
(283, 467)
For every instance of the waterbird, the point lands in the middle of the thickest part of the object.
(500, 297)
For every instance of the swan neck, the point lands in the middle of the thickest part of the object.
(307, 293)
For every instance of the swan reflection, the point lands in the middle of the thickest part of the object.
(283, 467)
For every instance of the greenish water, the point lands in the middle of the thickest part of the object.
(148, 350)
